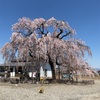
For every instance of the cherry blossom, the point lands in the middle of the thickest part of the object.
(46, 41)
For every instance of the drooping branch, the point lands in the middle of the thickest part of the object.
(84, 47)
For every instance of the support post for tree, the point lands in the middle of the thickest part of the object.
(76, 76)
(58, 72)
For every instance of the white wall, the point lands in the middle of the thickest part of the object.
(49, 72)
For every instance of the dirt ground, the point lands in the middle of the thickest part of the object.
(51, 91)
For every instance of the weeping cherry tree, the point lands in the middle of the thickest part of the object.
(50, 41)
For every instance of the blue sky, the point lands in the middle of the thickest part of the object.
(82, 15)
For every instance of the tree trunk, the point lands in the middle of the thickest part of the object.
(52, 68)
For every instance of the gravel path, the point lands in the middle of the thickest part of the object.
(51, 92)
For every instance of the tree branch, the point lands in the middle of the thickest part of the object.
(61, 31)
(41, 29)
(30, 32)
(30, 53)
(65, 35)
